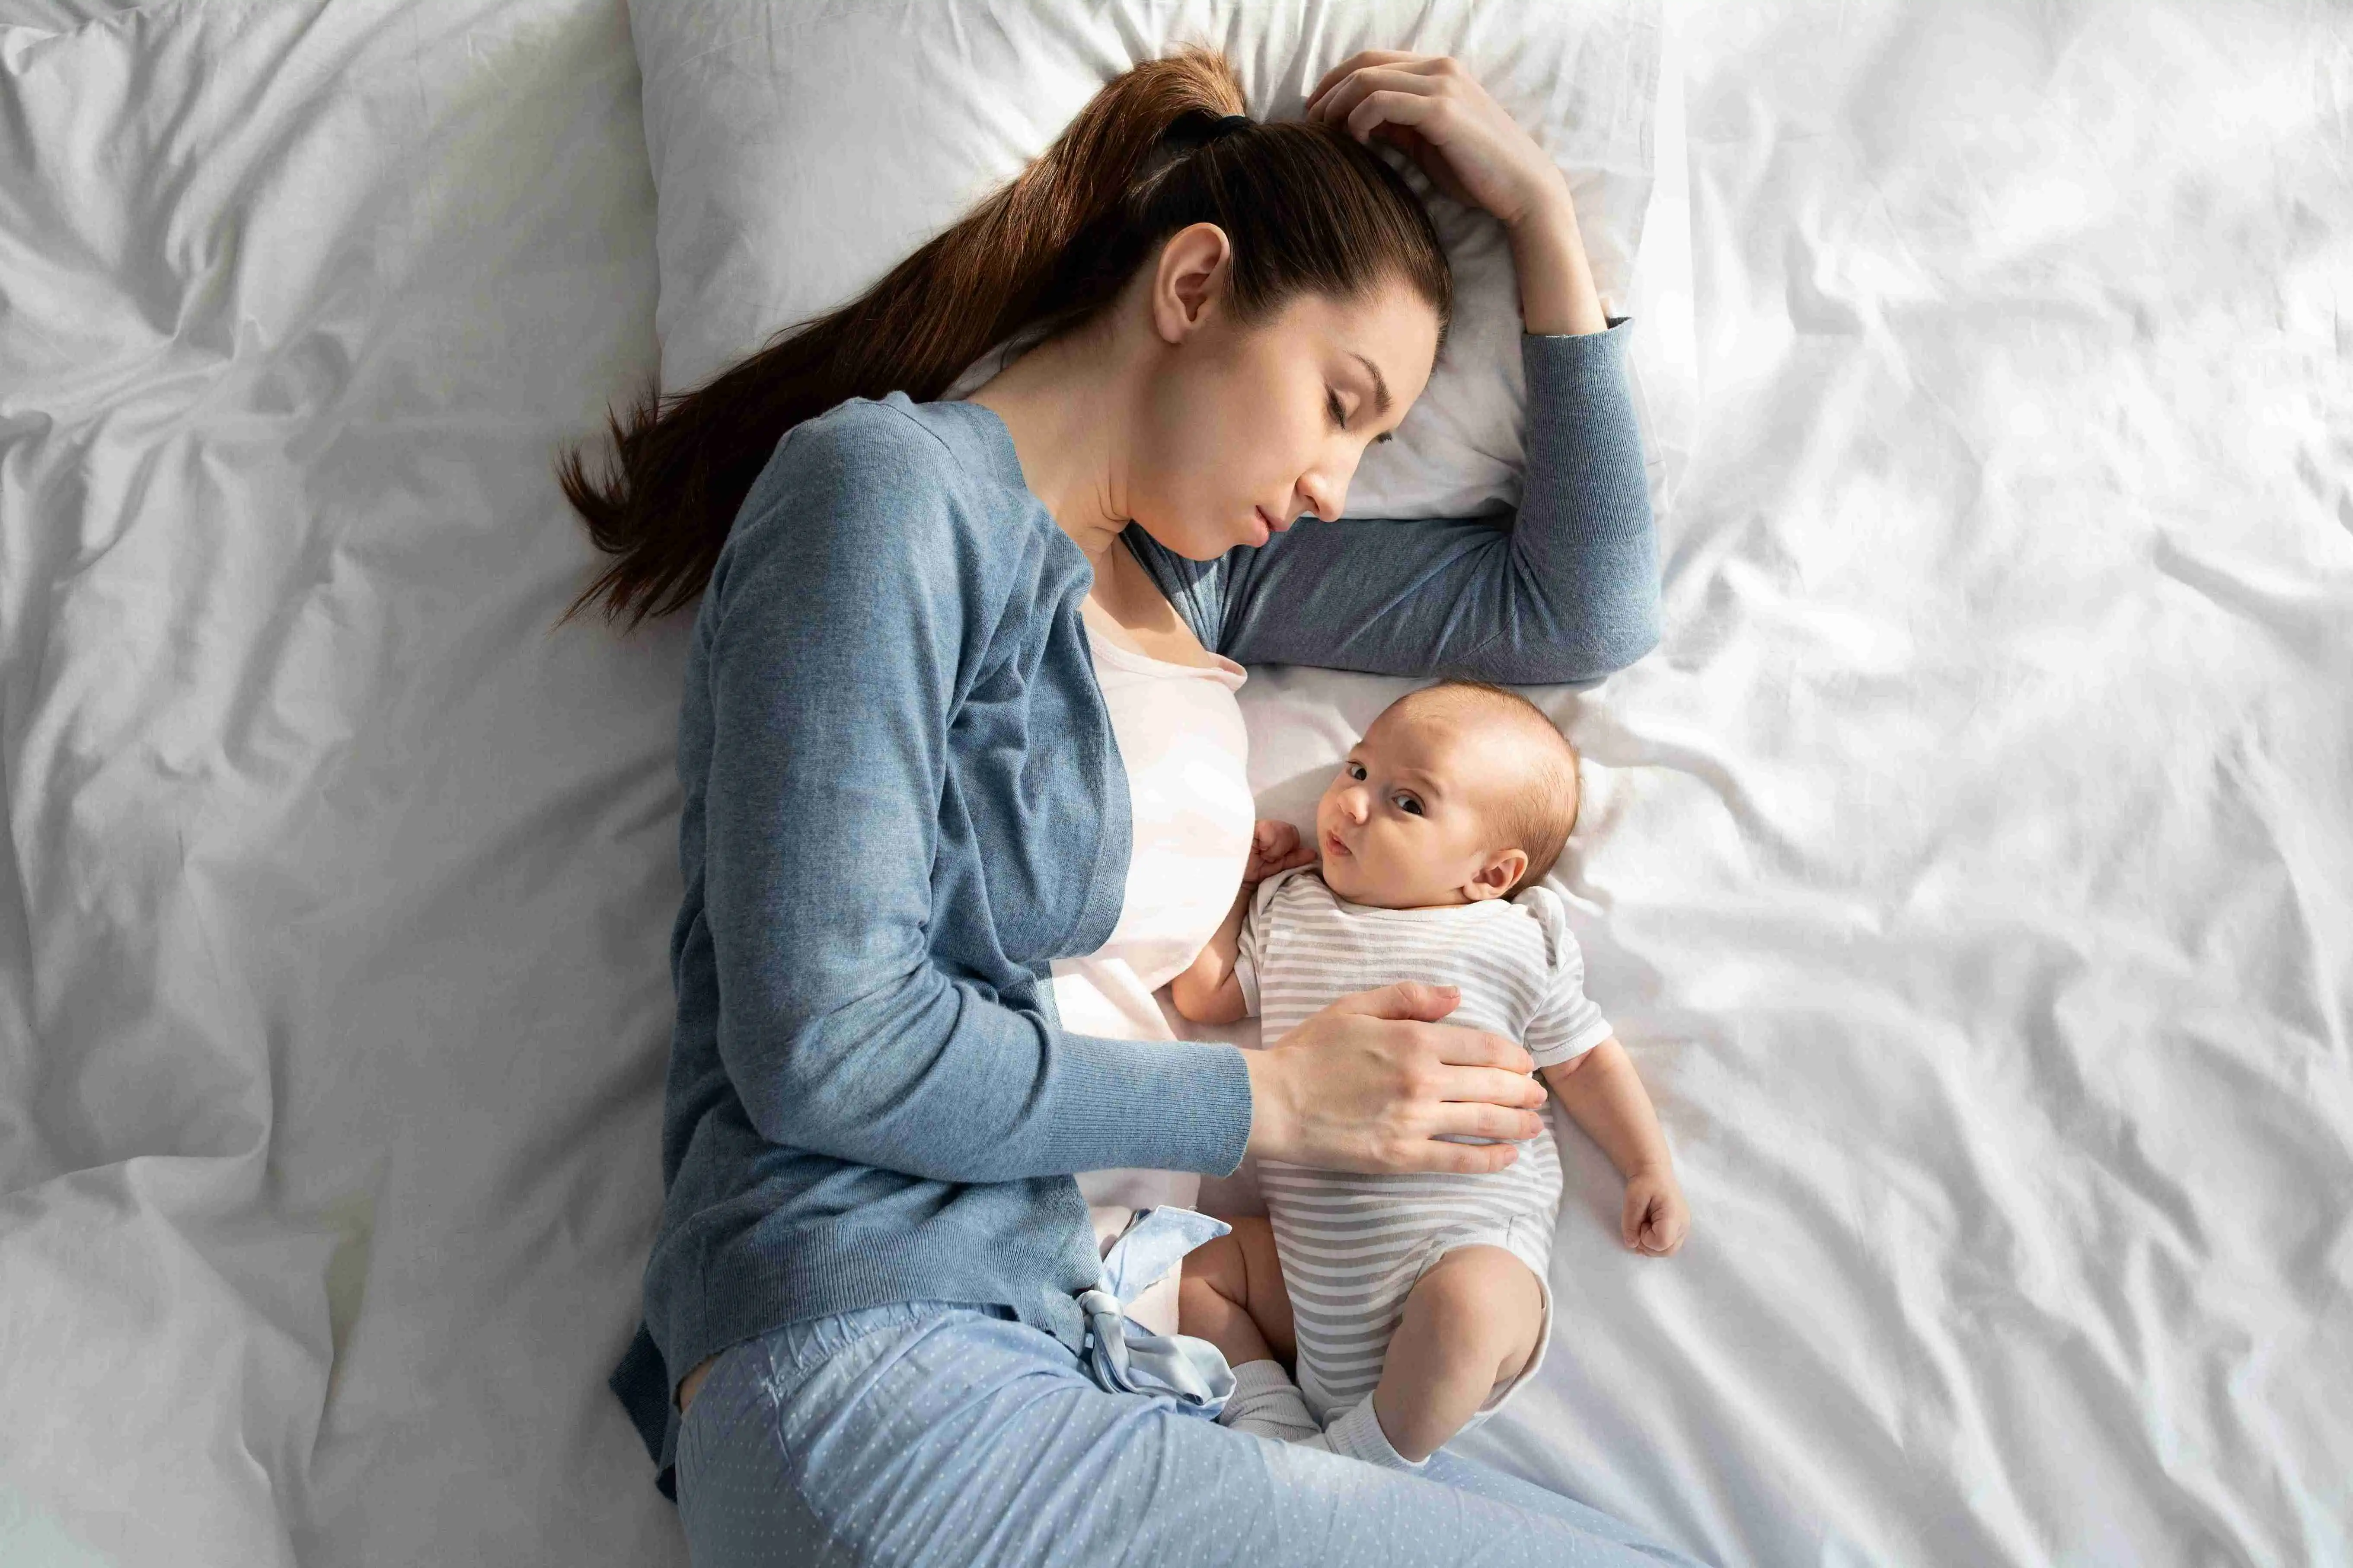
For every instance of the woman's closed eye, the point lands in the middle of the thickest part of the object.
(1340, 417)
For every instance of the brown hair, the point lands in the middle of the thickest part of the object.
(1537, 816)
(1307, 207)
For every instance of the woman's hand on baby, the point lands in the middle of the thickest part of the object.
(1432, 110)
(1371, 1081)
(1274, 846)
(1655, 1220)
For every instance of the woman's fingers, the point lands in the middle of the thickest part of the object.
(1403, 999)
(1398, 87)
(1484, 1119)
(1358, 61)
(1459, 1158)
(1402, 59)
(1438, 113)
(1421, 115)
(1488, 1086)
(1458, 1047)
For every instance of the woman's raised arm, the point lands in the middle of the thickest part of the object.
(1567, 590)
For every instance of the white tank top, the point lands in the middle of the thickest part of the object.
(1181, 737)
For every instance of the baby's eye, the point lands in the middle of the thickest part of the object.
(1354, 770)
(1407, 803)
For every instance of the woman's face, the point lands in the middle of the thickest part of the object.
(1246, 429)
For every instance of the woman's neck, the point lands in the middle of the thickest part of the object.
(1065, 404)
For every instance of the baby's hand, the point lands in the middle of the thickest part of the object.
(1656, 1218)
(1274, 846)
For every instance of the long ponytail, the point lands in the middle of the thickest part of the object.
(1306, 208)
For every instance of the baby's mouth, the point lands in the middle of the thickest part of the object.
(1331, 845)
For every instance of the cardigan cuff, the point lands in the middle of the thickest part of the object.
(1154, 1105)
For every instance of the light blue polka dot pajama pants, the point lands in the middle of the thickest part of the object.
(929, 1433)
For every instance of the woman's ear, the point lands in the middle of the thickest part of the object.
(1503, 868)
(1192, 265)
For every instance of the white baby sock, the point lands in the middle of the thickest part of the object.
(1356, 1432)
(1265, 1402)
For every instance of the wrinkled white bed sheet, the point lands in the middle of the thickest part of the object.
(1971, 871)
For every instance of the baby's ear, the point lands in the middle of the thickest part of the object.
(1503, 868)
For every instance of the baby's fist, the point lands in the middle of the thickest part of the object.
(1274, 846)
(1656, 1218)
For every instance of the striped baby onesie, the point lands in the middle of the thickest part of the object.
(1353, 1246)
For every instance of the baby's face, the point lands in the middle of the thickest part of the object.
(1404, 825)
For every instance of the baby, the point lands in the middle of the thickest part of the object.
(1417, 1304)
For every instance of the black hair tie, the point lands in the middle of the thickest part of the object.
(1196, 129)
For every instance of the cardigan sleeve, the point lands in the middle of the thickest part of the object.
(848, 616)
(1567, 590)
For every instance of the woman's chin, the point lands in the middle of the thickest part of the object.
(1199, 541)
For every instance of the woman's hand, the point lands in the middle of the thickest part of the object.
(1370, 1082)
(1274, 846)
(1430, 108)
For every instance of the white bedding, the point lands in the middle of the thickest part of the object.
(1971, 871)
(792, 170)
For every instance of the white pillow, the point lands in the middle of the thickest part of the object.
(801, 149)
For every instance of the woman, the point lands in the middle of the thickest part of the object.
(907, 800)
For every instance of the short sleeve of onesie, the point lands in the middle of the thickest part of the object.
(1258, 926)
(1566, 1023)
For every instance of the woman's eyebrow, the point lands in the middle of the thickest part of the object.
(1381, 383)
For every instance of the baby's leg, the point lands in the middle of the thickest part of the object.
(1232, 1295)
(1471, 1323)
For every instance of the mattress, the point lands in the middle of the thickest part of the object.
(1969, 872)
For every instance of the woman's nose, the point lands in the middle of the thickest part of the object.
(1326, 498)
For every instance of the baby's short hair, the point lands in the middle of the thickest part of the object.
(1537, 816)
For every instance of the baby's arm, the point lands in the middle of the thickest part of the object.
(1604, 1095)
(1210, 992)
